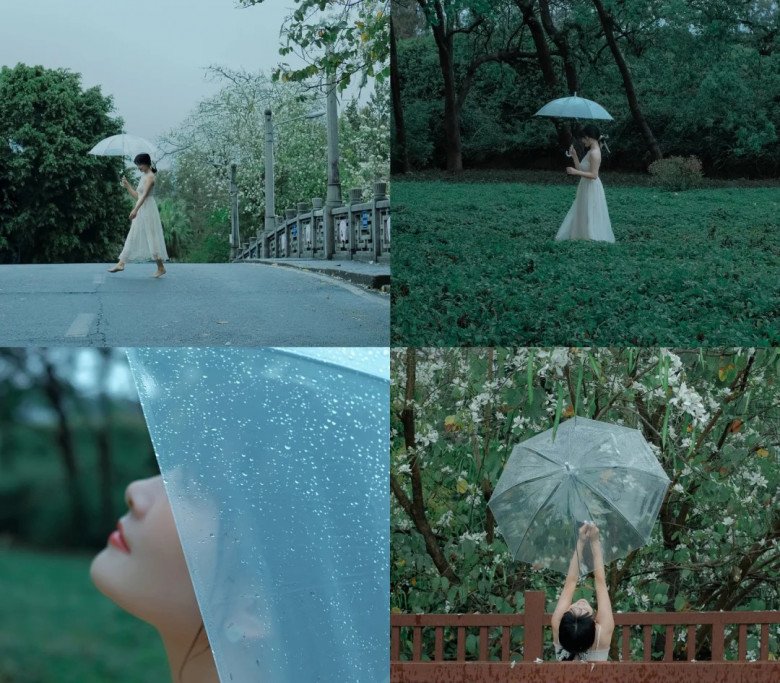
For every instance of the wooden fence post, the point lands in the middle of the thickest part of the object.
(533, 625)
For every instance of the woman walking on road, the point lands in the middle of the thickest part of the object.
(145, 241)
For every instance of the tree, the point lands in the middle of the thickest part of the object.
(57, 203)
(348, 37)
(710, 416)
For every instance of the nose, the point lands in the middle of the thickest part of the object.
(138, 498)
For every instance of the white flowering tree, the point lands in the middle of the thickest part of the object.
(229, 127)
(712, 418)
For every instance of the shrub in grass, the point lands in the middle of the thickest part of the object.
(677, 173)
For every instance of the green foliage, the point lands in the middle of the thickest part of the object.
(230, 127)
(347, 38)
(176, 227)
(710, 417)
(212, 244)
(676, 173)
(57, 203)
(56, 626)
(707, 77)
(477, 264)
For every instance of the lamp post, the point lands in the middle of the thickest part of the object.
(235, 238)
(333, 197)
(270, 187)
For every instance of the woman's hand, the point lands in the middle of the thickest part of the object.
(125, 183)
(133, 214)
(593, 533)
(572, 171)
(572, 151)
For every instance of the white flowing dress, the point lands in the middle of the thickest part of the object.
(588, 217)
(145, 241)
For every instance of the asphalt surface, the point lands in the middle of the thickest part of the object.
(241, 304)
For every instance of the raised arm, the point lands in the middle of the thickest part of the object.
(595, 163)
(574, 157)
(604, 616)
(570, 584)
(129, 188)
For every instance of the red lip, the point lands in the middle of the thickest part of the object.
(117, 539)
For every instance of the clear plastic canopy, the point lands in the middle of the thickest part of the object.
(276, 465)
(592, 471)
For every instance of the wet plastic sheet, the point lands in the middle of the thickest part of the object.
(591, 471)
(276, 464)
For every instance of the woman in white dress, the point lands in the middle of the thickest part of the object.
(588, 217)
(578, 631)
(145, 241)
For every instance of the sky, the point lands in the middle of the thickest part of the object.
(149, 55)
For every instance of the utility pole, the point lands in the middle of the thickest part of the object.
(270, 196)
(235, 238)
(333, 197)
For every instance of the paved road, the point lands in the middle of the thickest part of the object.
(194, 304)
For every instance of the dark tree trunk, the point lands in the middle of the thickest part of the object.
(608, 24)
(400, 156)
(452, 140)
(569, 69)
(546, 64)
(415, 506)
(103, 443)
(56, 395)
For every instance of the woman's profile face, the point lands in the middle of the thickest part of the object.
(142, 567)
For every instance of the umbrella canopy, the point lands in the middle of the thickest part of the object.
(124, 145)
(574, 108)
(591, 471)
(275, 463)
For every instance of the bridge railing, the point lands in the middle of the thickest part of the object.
(498, 647)
(360, 231)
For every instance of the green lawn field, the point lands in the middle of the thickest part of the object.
(475, 263)
(55, 627)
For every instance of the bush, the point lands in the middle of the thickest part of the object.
(677, 173)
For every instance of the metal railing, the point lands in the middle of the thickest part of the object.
(361, 231)
(438, 649)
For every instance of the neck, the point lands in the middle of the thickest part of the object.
(200, 667)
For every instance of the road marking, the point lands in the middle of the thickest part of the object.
(80, 326)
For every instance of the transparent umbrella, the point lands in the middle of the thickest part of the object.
(588, 471)
(275, 462)
(125, 145)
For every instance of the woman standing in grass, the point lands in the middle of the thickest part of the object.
(145, 241)
(588, 217)
(578, 631)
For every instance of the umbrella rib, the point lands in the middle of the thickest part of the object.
(594, 468)
(526, 481)
(612, 505)
(538, 510)
(542, 455)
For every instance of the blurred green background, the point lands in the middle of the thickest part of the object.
(72, 437)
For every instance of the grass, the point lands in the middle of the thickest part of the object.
(55, 627)
(475, 263)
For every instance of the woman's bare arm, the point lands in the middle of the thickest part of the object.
(569, 585)
(595, 163)
(604, 615)
(148, 185)
(574, 157)
(129, 188)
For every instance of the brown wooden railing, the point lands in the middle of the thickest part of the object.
(500, 656)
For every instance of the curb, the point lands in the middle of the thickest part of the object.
(372, 281)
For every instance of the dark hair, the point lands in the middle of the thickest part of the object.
(590, 131)
(144, 158)
(576, 634)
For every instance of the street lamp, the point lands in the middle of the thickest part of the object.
(270, 192)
